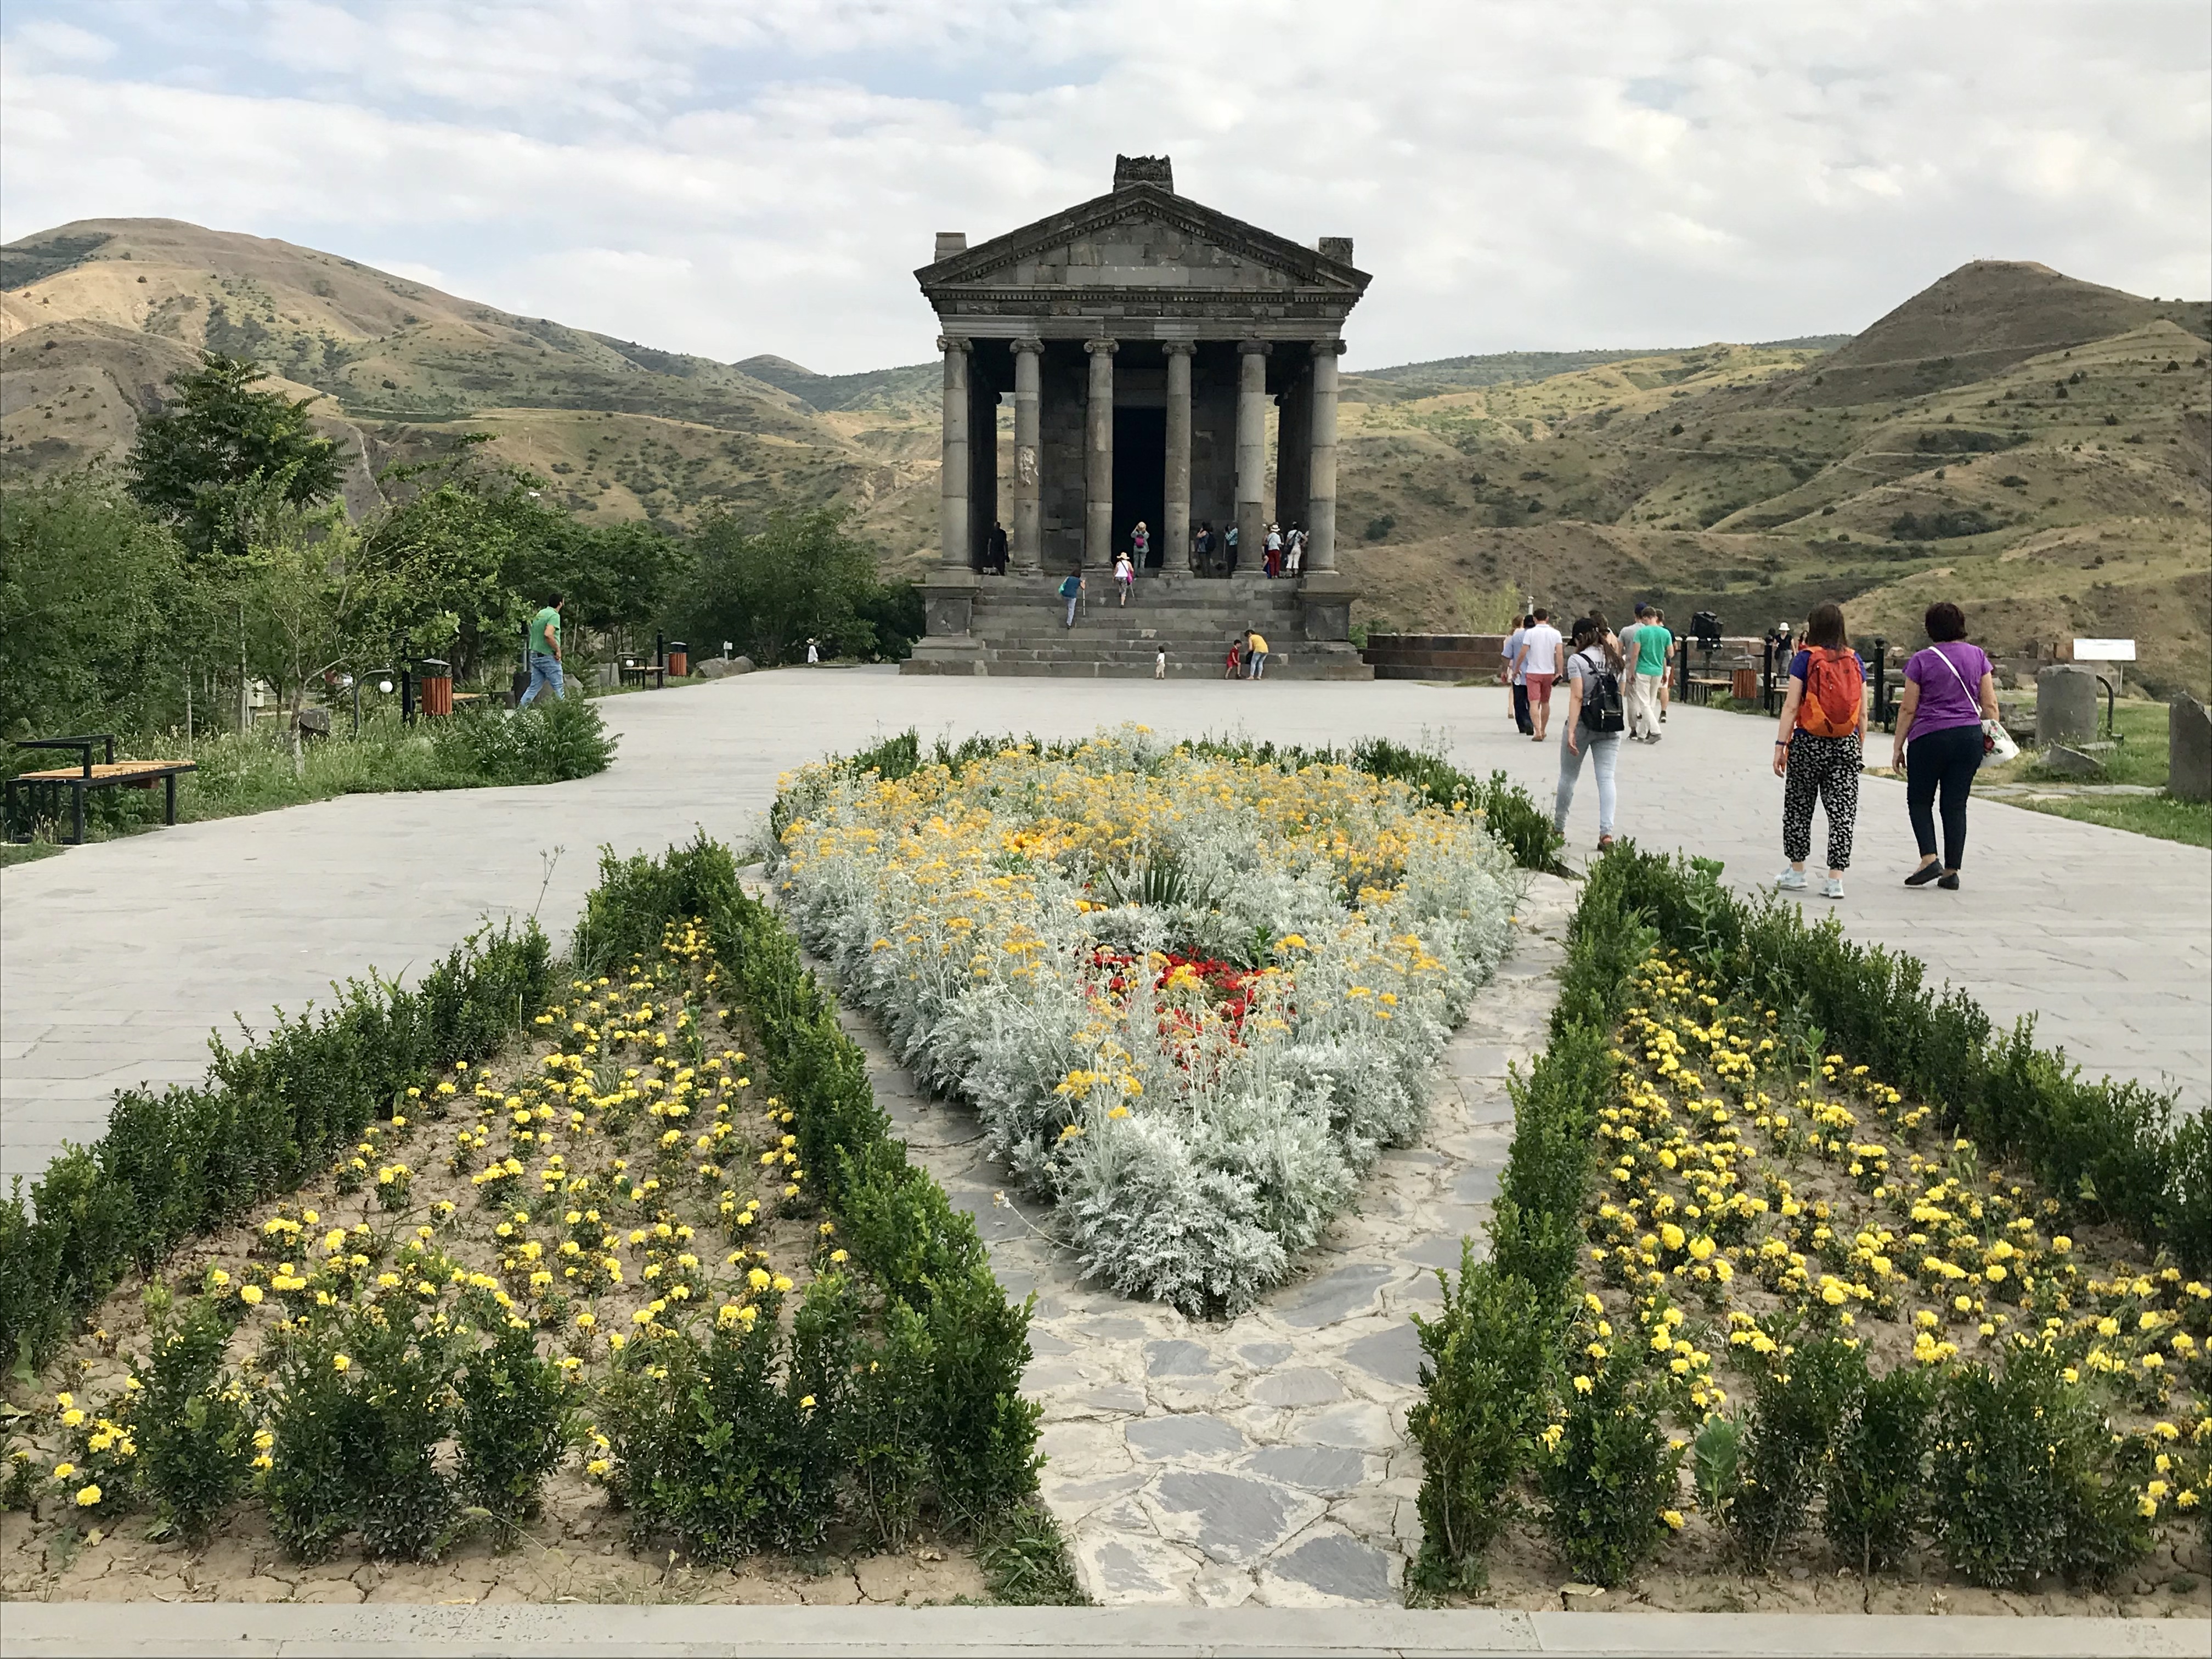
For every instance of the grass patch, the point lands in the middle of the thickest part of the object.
(1023, 1555)
(2189, 821)
(255, 772)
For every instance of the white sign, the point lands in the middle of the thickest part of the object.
(2104, 651)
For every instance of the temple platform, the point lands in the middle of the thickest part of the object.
(1017, 625)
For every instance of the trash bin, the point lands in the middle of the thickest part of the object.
(435, 679)
(1744, 688)
(679, 658)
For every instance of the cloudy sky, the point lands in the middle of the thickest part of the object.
(734, 176)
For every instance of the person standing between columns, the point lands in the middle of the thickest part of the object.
(1098, 479)
(1321, 488)
(952, 483)
(1251, 447)
(1174, 510)
(1027, 543)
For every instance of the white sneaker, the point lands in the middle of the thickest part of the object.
(1791, 881)
(1831, 887)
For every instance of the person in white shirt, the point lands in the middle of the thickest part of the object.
(1294, 548)
(1538, 665)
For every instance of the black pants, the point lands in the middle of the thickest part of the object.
(1945, 761)
(1520, 715)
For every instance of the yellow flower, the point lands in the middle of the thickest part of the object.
(250, 1295)
(1584, 1385)
(339, 1362)
(87, 1497)
(1673, 1518)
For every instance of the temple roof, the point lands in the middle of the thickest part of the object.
(1141, 240)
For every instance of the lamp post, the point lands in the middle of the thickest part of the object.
(383, 685)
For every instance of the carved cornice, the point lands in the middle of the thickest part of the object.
(1027, 343)
(1144, 201)
(951, 343)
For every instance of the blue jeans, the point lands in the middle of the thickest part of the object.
(544, 673)
(1604, 751)
(1073, 600)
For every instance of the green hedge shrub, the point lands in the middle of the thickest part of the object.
(960, 1346)
(273, 1112)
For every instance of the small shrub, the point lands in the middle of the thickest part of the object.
(1483, 1372)
(1798, 1403)
(885, 1435)
(2028, 1477)
(1608, 1475)
(514, 1420)
(194, 1438)
(1874, 1490)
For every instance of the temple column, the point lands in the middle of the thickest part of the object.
(1175, 521)
(953, 541)
(1098, 454)
(1251, 451)
(1027, 537)
(1321, 476)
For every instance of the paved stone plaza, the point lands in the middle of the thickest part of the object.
(116, 959)
(1262, 1461)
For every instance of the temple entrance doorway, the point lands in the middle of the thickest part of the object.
(1141, 438)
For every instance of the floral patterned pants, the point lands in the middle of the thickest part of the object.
(1827, 767)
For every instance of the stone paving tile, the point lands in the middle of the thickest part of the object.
(1262, 1459)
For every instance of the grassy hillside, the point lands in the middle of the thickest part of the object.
(2031, 444)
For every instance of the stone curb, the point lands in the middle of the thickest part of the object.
(189, 1630)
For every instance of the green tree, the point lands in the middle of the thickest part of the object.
(313, 603)
(201, 458)
(799, 576)
(97, 623)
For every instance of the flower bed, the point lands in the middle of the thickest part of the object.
(622, 1272)
(1191, 994)
(1853, 1313)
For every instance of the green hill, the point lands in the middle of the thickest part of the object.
(2029, 444)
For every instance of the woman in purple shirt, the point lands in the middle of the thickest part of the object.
(1949, 691)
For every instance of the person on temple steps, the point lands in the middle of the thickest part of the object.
(1950, 690)
(1124, 575)
(1818, 750)
(994, 550)
(1072, 591)
(1229, 544)
(1294, 548)
(1140, 546)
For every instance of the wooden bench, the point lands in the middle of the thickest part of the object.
(89, 774)
(636, 673)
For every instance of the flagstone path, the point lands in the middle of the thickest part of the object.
(1263, 1458)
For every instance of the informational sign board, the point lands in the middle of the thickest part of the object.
(2104, 651)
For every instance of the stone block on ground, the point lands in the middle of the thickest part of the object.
(2189, 749)
(2065, 704)
(2072, 763)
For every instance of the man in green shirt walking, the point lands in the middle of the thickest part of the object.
(1649, 644)
(544, 653)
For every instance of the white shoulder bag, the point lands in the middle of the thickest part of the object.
(1996, 742)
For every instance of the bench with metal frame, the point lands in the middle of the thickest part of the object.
(88, 774)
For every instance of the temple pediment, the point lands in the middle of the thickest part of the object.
(1142, 237)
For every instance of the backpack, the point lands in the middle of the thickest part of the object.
(1602, 709)
(1069, 589)
(1832, 706)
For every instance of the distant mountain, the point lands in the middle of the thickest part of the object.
(1517, 368)
(2031, 444)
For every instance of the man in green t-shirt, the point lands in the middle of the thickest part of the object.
(1648, 644)
(544, 653)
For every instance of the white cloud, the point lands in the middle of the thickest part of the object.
(50, 40)
(733, 176)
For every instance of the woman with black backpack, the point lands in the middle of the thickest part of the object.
(1817, 752)
(1596, 719)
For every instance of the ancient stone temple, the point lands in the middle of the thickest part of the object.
(1143, 341)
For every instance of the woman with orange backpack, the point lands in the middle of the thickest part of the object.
(1817, 750)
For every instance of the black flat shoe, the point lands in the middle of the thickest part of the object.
(1949, 883)
(1924, 874)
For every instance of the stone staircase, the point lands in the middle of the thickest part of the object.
(1021, 624)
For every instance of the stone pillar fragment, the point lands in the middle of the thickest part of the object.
(1027, 530)
(1098, 456)
(952, 501)
(1251, 451)
(1175, 521)
(1321, 475)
